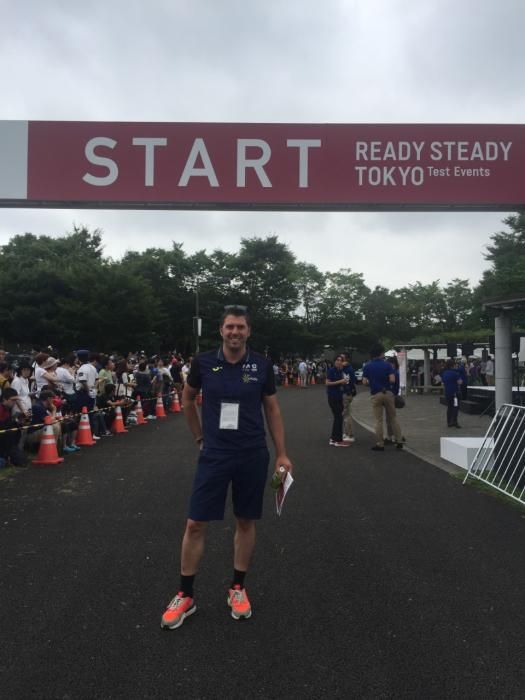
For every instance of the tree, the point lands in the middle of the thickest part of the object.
(311, 286)
(423, 308)
(458, 297)
(506, 276)
(265, 277)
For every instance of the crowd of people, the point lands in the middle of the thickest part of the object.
(40, 384)
(300, 372)
(474, 371)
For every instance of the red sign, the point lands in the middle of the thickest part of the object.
(262, 166)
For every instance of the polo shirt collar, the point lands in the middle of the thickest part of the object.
(244, 360)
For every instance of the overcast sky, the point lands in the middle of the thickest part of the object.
(353, 61)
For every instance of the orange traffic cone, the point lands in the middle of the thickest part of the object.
(199, 398)
(140, 413)
(118, 424)
(312, 380)
(175, 404)
(286, 380)
(47, 452)
(159, 408)
(84, 436)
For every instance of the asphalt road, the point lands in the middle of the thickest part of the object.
(384, 578)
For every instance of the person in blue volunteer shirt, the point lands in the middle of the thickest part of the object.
(380, 377)
(237, 386)
(335, 381)
(349, 391)
(452, 384)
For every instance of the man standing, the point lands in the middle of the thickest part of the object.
(303, 369)
(452, 382)
(86, 385)
(335, 380)
(236, 383)
(379, 375)
(349, 391)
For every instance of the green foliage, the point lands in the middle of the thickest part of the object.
(64, 292)
(506, 276)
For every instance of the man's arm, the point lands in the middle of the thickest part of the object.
(189, 395)
(276, 428)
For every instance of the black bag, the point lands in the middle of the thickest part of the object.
(399, 401)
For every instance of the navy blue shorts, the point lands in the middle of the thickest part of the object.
(247, 470)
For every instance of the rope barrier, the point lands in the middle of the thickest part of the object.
(35, 426)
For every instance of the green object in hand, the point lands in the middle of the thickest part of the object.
(277, 478)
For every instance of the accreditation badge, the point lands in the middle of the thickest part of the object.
(229, 418)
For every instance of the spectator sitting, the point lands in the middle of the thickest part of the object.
(106, 403)
(44, 406)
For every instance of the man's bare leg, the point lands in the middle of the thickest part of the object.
(243, 543)
(192, 546)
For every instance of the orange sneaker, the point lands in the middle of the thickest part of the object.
(177, 611)
(239, 603)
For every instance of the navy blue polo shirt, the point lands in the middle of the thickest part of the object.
(450, 378)
(245, 382)
(377, 372)
(334, 375)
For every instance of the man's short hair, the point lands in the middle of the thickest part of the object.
(236, 310)
(377, 350)
(46, 394)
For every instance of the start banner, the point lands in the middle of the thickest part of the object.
(262, 166)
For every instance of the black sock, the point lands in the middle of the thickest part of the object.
(238, 578)
(186, 584)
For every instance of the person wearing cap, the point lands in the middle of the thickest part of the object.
(237, 386)
(45, 374)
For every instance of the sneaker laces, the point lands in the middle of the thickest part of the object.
(237, 595)
(176, 602)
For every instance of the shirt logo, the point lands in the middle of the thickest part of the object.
(250, 367)
(247, 379)
(216, 369)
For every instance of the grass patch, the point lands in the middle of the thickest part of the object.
(491, 491)
(7, 472)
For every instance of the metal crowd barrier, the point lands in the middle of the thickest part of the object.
(500, 461)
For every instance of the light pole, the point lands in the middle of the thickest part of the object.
(197, 322)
